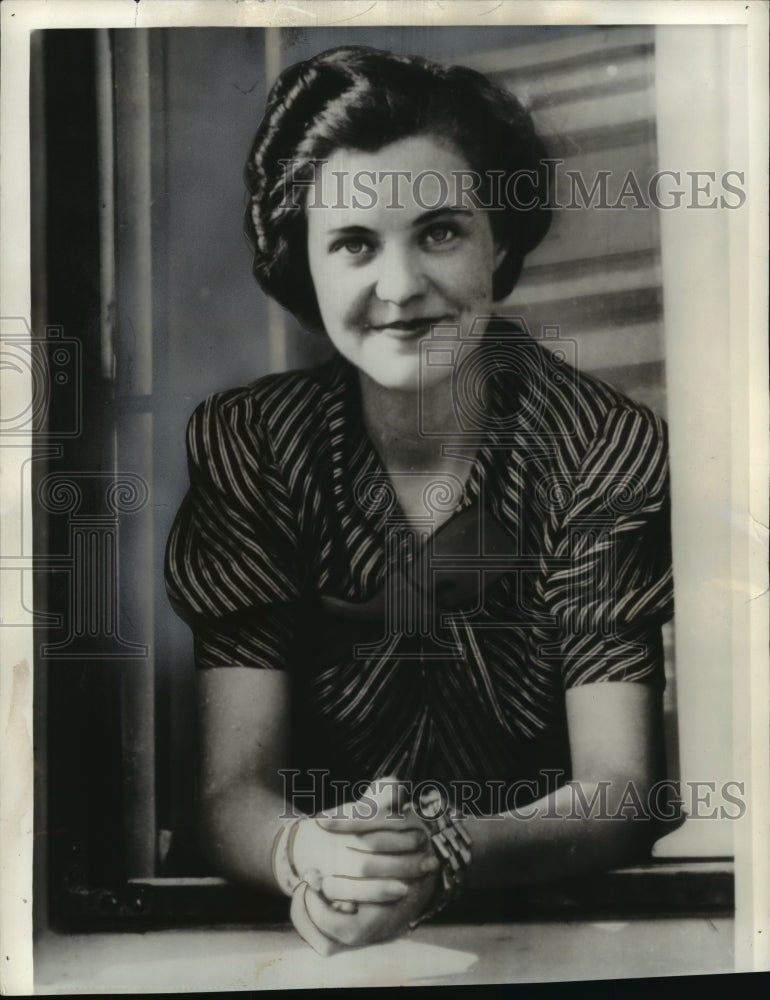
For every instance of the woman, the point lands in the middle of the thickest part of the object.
(439, 561)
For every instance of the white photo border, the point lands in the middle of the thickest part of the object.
(745, 397)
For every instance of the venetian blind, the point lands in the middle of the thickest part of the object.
(597, 275)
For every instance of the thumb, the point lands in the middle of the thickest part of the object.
(390, 793)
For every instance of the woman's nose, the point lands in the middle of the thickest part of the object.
(401, 276)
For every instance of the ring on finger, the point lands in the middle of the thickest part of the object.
(347, 906)
(315, 880)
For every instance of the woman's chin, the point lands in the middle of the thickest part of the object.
(404, 378)
(399, 369)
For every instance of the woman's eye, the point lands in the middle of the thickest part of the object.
(354, 246)
(440, 234)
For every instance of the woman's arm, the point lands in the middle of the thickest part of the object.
(244, 720)
(615, 733)
(243, 724)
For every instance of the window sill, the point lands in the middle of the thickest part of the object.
(214, 959)
(661, 888)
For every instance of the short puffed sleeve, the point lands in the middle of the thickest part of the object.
(231, 557)
(611, 588)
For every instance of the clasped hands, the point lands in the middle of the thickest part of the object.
(369, 870)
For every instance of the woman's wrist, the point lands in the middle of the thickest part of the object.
(289, 873)
(282, 864)
(452, 846)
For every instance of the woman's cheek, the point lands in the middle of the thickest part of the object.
(470, 280)
(353, 305)
(339, 297)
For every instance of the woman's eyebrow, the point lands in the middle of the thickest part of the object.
(438, 213)
(350, 231)
(421, 220)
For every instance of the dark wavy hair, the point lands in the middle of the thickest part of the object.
(364, 99)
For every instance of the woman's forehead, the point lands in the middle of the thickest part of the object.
(391, 185)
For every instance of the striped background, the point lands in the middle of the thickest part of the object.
(597, 275)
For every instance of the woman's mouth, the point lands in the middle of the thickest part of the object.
(410, 329)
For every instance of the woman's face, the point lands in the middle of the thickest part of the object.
(393, 254)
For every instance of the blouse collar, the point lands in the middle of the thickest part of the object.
(510, 365)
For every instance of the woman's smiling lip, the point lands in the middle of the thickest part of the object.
(409, 329)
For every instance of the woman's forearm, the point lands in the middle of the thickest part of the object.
(236, 829)
(555, 837)
(243, 723)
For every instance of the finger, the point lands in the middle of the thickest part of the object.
(390, 842)
(389, 793)
(385, 797)
(347, 810)
(374, 840)
(312, 929)
(344, 906)
(315, 881)
(366, 864)
(369, 924)
(367, 820)
(362, 890)
(321, 921)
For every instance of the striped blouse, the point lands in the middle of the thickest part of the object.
(434, 655)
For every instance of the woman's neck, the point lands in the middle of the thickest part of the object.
(410, 429)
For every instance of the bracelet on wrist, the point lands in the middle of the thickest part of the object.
(285, 871)
(452, 845)
(286, 876)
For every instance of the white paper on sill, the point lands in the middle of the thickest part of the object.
(391, 964)
(216, 960)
